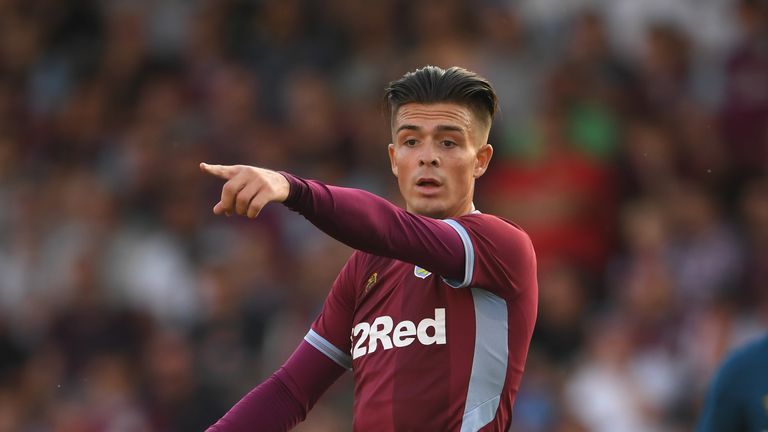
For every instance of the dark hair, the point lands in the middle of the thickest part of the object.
(432, 84)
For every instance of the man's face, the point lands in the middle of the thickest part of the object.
(438, 151)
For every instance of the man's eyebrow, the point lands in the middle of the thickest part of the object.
(408, 127)
(440, 128)
(450, 128)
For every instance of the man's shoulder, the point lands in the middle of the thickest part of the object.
(491, 220)
(497, 242)
(740, 366)
(492, 226)
(754, 353)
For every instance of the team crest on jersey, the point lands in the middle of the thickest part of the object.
(420, 272)
(371, 282)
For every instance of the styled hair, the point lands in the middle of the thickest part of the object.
(432, 84)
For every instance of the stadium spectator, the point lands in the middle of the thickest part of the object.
(738, 395)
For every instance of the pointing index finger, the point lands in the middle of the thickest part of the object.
(223, 171)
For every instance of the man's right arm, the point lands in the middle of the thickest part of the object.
(372, 224)
(355, 217)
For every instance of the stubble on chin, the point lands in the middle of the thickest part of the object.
(433, 210)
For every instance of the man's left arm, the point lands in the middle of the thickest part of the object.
(285, 398)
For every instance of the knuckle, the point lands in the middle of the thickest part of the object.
(254, 208)
(248, 174)
(243, 200)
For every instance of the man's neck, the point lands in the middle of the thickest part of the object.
(465, 211)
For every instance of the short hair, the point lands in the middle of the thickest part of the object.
(432, 84)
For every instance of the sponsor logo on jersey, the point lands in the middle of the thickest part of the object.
(420, 272)
(371, 282)
(384, 334)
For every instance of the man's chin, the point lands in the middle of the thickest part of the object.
(429, 209)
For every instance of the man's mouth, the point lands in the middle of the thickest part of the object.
(428, 185)
(428, 182)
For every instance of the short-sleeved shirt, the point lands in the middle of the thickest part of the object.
(429, 354)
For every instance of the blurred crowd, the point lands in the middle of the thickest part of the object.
(632, 145)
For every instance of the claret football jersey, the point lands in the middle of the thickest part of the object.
(430, 354)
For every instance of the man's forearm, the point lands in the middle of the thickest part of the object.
(372, 224)
(269, 406)
(283, 400)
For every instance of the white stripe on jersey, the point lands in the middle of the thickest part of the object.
(469, 255)
(489, 363)
(328, 349)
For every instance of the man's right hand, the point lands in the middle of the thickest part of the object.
(248, 189)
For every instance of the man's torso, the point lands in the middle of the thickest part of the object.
(428, 356)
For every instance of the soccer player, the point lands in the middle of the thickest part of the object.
(433, 312)
(738, 396)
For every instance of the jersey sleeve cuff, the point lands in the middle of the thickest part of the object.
(469, 255)
(328, 349)
(296, 188)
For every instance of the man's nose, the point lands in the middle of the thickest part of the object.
(429, 157)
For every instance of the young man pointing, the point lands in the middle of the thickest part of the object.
(434, 311)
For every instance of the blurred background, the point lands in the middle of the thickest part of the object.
(632, 144)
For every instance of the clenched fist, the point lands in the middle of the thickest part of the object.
(248, 189)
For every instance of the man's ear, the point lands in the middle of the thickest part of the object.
(482, 159)
(391, 151)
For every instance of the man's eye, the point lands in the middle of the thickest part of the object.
(410, 142)
(448, 143)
